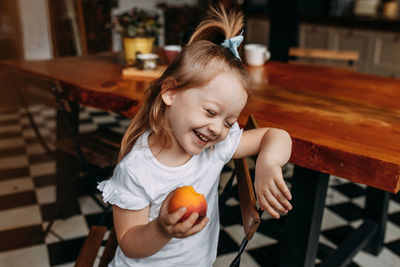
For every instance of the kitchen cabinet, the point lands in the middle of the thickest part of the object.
(315, 36)
(386, 54)
(356, 40)
(379, 51)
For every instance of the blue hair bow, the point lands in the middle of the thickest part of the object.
(233, 44)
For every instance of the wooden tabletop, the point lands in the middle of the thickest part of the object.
(342, 122)
(91, 80)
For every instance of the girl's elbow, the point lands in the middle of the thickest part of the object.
(131, 250)
(288, 140)
(283, 135)
(283, 139)
(131, 253)
(287, 136)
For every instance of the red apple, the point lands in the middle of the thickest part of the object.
(186, 196)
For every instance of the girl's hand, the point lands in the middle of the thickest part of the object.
(170, 225)
(272, 193)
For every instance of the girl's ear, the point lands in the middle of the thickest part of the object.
(168, 91)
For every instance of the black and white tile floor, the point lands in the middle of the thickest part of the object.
(27, 196)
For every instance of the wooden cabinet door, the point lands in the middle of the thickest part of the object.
(386, 60)
(10, 31)
(312, 36)
(79, 27)
(11, 48)
(356, 40)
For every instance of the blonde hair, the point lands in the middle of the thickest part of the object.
(196, 65)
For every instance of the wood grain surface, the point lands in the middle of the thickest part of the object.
(342, 122)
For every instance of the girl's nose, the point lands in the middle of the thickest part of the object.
(216, 128)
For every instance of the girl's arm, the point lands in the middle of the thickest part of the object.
(273, 147)
(139, 238)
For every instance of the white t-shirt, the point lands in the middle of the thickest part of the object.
(140, 180)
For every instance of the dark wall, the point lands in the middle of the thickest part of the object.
(305, 7)
(313, 7)
(284, 23)
(284, 20)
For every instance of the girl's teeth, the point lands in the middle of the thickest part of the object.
(201, 136)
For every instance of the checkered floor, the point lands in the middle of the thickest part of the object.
(27, 197)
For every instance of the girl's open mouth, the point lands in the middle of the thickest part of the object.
(200, 136)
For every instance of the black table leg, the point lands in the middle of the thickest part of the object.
(299, 242)
(67, 169)
(376, 210)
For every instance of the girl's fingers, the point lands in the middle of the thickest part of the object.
(284, 202)
(272, 200)
(183, 227)
(198, 227)
(272, 212)
(266, 206)
(281, 198)
(189, 226)
(283, 188)
(190, 221)
(174, 217)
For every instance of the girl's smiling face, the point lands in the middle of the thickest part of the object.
(201, 117)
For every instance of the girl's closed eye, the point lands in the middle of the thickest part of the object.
(211, 113)
(229, 124)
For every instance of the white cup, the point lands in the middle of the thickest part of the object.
(256, 54)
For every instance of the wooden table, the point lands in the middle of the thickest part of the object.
(342, 123)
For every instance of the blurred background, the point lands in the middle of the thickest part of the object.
(44, 29)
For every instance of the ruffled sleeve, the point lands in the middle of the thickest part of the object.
(124, 190)
(227, 147)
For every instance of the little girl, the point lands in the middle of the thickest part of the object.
(183, 134)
